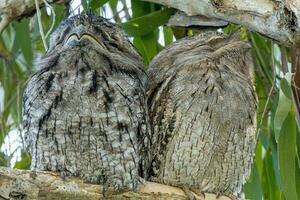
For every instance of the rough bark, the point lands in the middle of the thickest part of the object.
(11, 10)
(22, 184)
(279, 20)
(181, 19)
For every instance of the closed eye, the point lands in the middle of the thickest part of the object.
(84, 36)
(63, 35)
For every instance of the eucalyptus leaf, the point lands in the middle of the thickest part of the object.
(168, 35)
(284, 104)
(252, 188)
(286, 157)
(95, 4)
(147, 45)
(23, 40)
(25, 161)
(146, 24)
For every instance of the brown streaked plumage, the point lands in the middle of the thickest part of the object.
(203, 109)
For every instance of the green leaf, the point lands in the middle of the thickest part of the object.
(297, 178)
(263, 55)
(95, 4)
(168, 35)
(25, 161)
(84, 4)
(148, 23)
(59, 13)
(252, 188)
(3, 159)
(23, 40)
(284, 104)
(286, 157)
(147, 46)
(298, 162)
(140, 8)
(274, 192)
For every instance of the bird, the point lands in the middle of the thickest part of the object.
(84, 108)
(202, 107)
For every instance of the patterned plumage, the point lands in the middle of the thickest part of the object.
(85, 111)
(203, 109)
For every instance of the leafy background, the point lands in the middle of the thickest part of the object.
(276, 170)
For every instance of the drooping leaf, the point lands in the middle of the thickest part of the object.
(252, 188)
(140, 8)
(284, 104)
(3, 159)
(147, 45)
(274, 191)
(95, 4)
(148, 23)
(25, 161)
(84, 4)
(286, 157)
(23, 40)
(262, 49)
(168, 35)
(297, 177)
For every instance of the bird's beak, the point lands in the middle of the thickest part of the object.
(75, 39)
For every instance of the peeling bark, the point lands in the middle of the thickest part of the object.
(180, 19)
(279, 20)
(23, 184)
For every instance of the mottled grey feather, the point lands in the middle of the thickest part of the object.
(203, 108)
(85, 112)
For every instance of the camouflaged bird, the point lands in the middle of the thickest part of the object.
(203, 109)
(85, 111)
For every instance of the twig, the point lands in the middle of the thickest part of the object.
(38, 14)
(53, 18)
(4, 22)
(269, 94)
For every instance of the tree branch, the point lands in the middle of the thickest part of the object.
(11, 10)
(23, 184)
(276, 19)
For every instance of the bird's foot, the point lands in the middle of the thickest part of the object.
(193, 194)
(108, 190)
(115, 186)
(33, 174)
(141, 181)
(63, 175)
(155, 179)
(231, 196)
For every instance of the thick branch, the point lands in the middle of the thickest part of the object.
(16, 9)
(276, 19)
(22, 184)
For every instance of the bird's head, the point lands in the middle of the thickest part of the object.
(89, 31)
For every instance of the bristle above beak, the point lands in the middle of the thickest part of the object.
(75, 38)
